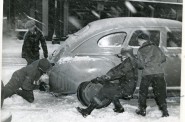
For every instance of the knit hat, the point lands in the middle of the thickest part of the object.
(30, 24)
(125, 50)
(143, 36)
(44, 65)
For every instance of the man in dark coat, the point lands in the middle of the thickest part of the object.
(32, 40)
(150, 59)
(24, 78)
(119, 82)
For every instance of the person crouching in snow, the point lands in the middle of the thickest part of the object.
(24, 78)
(126, 75)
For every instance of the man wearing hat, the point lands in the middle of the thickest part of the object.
(24, 79)
(150, 59)
(118, 83)
(32, 40)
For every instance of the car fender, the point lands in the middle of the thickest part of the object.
(69, 72)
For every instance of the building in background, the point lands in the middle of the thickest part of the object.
(58, 18)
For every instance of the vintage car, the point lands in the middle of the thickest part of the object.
(91, 52)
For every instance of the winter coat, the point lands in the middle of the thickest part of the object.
(25, 77)
(150, 59)
(126, 75)
(30, 48)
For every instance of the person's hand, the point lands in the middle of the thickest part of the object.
(95, 80)
(43, 87)
(104, 77)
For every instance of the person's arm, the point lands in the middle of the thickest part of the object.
(28, 84)
(163, 57)
(140, 61)
(117, 71)
(44, 46)
(102, 79)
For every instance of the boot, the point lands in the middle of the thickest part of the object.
(119, 110)
(165, 113)
(164, 110)
(27, 95)
(118, 107)
(87, 111)
(141, 111)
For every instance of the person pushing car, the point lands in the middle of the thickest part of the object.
(150, 60)
(24, 78)
(118, 83)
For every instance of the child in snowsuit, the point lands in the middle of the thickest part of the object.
(150, 59)
(32, 39)
(24, 78)
(126, 75)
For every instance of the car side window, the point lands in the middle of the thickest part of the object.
(174, 39)
(154, 37)
(112, 40)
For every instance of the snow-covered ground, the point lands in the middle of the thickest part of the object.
(47, 108)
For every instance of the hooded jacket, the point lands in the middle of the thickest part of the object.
(126, 75)
(150, 59)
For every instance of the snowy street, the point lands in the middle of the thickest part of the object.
(47, 108)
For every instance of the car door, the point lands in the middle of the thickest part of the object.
(173, 54)
(97, 55)
(155, 36)
(169, 40)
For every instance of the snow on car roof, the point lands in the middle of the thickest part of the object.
(136, 22)
(121, 22)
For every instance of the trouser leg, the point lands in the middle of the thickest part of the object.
(117, 106)
(159, 90)
(27, 95)
(88, 110)
(29, 60)
(143, 91)
(116, 103)
(11, 87)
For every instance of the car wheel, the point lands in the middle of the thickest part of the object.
(80, 94)
(87, 90)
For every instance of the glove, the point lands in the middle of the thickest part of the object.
(95, 80)
(43, 87)
(101, 79)
(104, 78)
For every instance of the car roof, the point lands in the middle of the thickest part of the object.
(127, 22)
(120, 22)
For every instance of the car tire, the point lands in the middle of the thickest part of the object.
(87, 90)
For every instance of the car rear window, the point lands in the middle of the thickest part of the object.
(174, 39)
(154, 37)
(112, 40)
